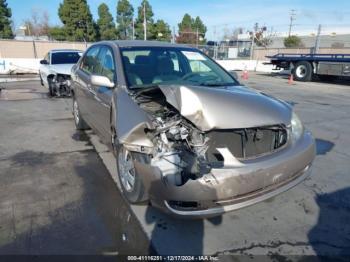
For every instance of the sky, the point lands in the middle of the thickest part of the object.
(221, 15)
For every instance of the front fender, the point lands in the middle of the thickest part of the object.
(130, 122)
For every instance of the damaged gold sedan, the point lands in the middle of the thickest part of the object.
(186, 135)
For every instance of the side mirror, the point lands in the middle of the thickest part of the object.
(44, 62)
(101, 81)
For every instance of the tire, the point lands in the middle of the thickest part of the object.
(133, 192)
(80, 124)
(302, 71)
(41, 80)
(49, 82)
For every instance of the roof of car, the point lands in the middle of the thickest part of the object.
(141, 43)
(64, 50)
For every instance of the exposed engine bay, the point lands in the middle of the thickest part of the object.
(182, 151)
(61, 85)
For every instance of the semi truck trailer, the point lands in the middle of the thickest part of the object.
(305, 67)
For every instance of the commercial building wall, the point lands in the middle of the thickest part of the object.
(34, 49)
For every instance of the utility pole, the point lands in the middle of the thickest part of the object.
(173, 34)
(252, 46)
(144, 22)
(133, 29)
(215, 44)
(197, 37)
(256, 27)
(292, 18)
(317, 43)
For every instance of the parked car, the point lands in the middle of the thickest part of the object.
(186, 135)
(55, 70)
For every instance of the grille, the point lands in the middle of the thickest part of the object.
(246, 143)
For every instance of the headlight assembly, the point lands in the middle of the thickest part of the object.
(297, 127)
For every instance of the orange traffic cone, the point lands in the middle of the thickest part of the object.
(290, 79)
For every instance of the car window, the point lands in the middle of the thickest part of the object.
(89, 63)
(65, 58)
(172, 65)
(105, 63)
(132, 54)
(199, 66)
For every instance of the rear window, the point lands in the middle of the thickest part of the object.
(65, 58)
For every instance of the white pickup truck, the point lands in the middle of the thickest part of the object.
(55, 70)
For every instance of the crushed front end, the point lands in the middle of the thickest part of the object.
(61, 85)
(201, 172)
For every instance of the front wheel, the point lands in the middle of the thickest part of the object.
(50, 84)
(302, 71)
(41, 80)
(130, 180)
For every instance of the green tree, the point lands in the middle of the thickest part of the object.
(191, 31)
(186, 23)
(125, 16)
(161, 31)
(199, 26)
(293, 41)
(57, 33)
(140, 18)
(5, 21)
(77, 20)
(106, 26)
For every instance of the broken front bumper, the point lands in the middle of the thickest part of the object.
(230, 188)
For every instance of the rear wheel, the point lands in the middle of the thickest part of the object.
(80, 124)
(130, 180)
(302, 71)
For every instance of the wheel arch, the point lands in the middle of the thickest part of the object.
(50, 76)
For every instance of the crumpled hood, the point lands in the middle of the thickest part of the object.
(64, 69)
(226, 108)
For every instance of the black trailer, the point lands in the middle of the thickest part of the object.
(305, 66)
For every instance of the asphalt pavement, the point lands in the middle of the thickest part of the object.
(56, 196)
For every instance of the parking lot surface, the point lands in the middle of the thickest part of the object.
(58, 192)
(56, 196)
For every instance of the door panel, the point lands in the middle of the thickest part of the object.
(103, 95)
(85, 93)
